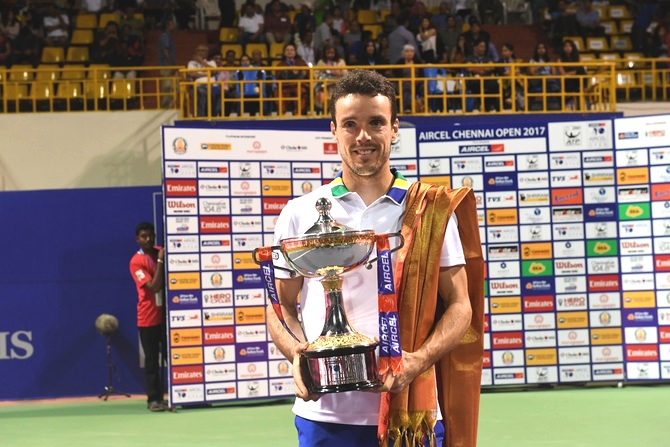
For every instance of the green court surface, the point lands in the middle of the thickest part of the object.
(634, 416)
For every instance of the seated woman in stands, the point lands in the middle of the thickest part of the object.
(537, 83)
(572, 79)
(407, 90)
(512, 91)
(294, 95)
(250, 87)
(329, 62)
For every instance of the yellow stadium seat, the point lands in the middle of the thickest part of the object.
(383, 14)
(587, 57)
(633, 60)
(52, 55)
(622, 43)
(96, 89)
(596, 44)
(618, 12)
(68, 90)
(77, 54)
(41, 90)
(375, 30)
(236, 47)
(276, 50)
(367, 17)
(20, 73)
(626, 26)
(139, 16)
(82, 37)
(107, 17)
(609, 57)
(99, 71)
(251, 47)
(292, 14)
(73, 72)
(229, 35)
(86, 21)
(610, 27)
(579, 42)
(122, 89)
(14, 91)
(47, 73)
(602, 11)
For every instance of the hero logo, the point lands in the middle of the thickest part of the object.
(16, 345)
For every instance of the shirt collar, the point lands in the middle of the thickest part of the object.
(397, 192)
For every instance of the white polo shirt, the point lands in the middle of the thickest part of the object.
(359, 287)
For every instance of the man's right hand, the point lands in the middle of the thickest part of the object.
(301, 390)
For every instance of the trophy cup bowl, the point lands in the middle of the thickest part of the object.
(340, 359)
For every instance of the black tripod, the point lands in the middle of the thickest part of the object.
(109, 389)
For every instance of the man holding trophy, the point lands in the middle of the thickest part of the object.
(422, 303)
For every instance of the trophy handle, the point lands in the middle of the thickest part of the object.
(274, 247)
(368, 265)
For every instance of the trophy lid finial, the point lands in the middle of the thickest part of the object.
(325, 223)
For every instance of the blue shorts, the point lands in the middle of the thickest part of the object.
(326, 434)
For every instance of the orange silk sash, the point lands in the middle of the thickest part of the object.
(411, 414)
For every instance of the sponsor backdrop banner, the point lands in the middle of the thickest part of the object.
(575, 232)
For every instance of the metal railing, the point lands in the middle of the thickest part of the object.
(49, 88)
(425, 90)
(262, 92)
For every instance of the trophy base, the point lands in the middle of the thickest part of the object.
(348, 368)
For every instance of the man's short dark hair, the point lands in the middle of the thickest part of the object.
(144, 226)
(363, 82)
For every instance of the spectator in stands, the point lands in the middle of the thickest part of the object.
(571, 74)
(324, 33)
(167, 57)
(108, 48)
(352, 39)
(133, 49)
(329, 61)
(588, 20)
(10, 25)
(478, 67)
(228, 13)
(399, 38)
(156, 11)
(490, 11)
(297, 92)
(457, 55)
(417, 12)
(26, 47)
(135, 23)
(450, 34)
(539, 60)
(231, 59)
(224, 88)
(304, 20)
(370, 55)
(56, 26)
(440, 19)
(339, 23)
(5, 51)
(643, 19)
(463, 8)
(659, 42)
(474, 34)
(277, 25)
(384, 48)
(251, 25)
(407, 90)
(427, 39)
(306, 49)
(563, 24)
(203, 77)
(257, 59)
(250, 87)
(94, 6)
(512, 90)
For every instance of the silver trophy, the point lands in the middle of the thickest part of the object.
(340, 359)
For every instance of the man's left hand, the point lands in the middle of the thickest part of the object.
(413, 366)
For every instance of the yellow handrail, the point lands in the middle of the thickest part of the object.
(422, 90)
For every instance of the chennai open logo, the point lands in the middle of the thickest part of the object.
(179, 146)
